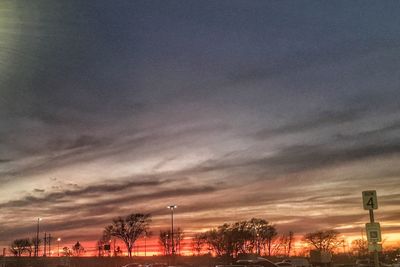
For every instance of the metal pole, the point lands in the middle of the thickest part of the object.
(49, 244)
(376, 256)
(37, 239)
(45, 244)
(172, 232)
(58, 248)
(371, 216)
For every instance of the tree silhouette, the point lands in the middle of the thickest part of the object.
(290, 242)
(164, 241)
(218, 240)
(323, 240)
(35, 241)
(268, 235)
(360, 246)
(66, 251)
(242, 237)
(129, 229)
(78, 249)
(20, 246)
(102, 242)
(178, 237)
(198, 241)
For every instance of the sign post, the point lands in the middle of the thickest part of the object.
(373, 229)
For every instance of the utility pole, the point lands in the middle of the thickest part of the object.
(44, 244)
(49, 244)
(37, 238)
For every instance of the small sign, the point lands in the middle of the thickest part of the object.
(373, 232)
(374, 247)
(370, 200)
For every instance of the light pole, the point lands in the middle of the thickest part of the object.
(172, 207)
(37, 238)
(258, 244)
(58, 246)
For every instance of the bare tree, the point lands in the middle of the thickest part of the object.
(323, 240)
(21, 246)
(35, 242)
(178, 237)
(198, 242)
(102, 244)
(129, 229)
(78, 249)
(290, 242)
(260, 231)
(164, 241)
(67, 251)
(218, 240)
(269, 234)
(284, 244)
(241, 237)
(360, 246)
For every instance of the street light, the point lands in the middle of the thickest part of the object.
(58, 246)
(172, 207)
(37, 237)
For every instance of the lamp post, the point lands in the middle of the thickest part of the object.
(37, 238)
(172, 207)
(258, 244)
(58, 246)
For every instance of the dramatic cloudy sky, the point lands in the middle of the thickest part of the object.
(283, 110)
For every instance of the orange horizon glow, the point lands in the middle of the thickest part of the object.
(300, 247)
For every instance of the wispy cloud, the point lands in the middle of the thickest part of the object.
(314, 121)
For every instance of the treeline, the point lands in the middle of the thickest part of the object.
(23, 246)
(28, 246)
(254, 236)
(249, 236)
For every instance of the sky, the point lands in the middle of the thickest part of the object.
(281, 110)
